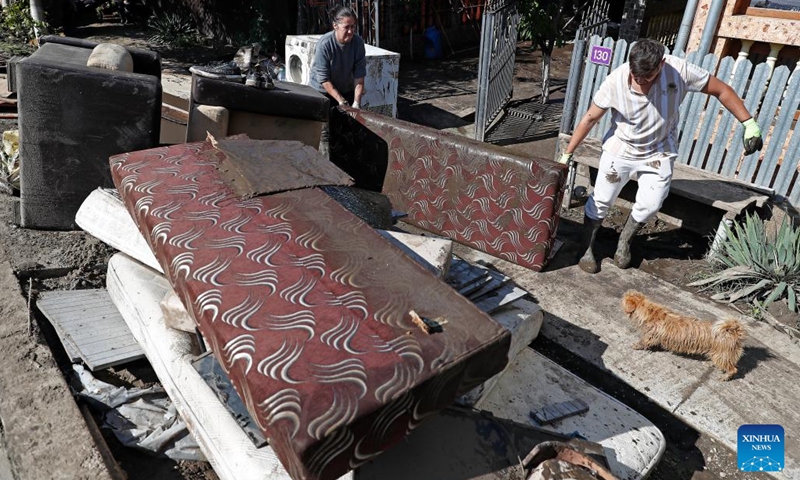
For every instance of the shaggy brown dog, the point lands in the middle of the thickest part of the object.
(720, 341)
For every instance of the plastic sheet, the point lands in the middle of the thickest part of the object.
(142, 418)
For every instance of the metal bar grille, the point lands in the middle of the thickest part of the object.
(313, 17)
(496, 66)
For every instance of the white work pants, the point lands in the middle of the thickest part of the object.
(654, 177)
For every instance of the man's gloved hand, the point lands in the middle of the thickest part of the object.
(356, 105)
(344, 103)
(565, 158)
(752, 137)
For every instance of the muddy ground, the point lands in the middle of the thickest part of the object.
(72, 260)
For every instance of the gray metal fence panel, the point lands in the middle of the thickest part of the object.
(787, 184)
(696, 59)
(587, 83)
(710, 117)
(600, 77)
(783, 124)
(751, 100)
(620, 57)
(789, 165)
(741, 73)
(694, 114)
(571, 97)
(766, 114)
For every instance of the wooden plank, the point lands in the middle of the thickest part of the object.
(720, 143)
(711, 116)
(751, 100)
(727, 194)
(766, 115)
(89, 319)
(772, 13)
(777, 138)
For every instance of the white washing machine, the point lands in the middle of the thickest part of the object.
(380, 84)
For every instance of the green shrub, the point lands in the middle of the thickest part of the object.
(16, 23)
(173, 30)
(754, 266)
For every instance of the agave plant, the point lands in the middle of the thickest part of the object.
(173, 30)
(756, 267)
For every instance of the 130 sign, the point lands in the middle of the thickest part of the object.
(600, 55)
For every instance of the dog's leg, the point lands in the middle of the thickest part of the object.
(728, 370)
(726, 364)
(646, 342)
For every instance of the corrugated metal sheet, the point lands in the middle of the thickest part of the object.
(91, 322)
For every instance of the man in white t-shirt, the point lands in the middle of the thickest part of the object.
(644, 96)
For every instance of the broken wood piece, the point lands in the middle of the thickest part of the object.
(175, 314)
(558, 411)
(427, 325)
(571, 454)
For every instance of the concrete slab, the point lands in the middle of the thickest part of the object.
(523, 319)
(582, 314)
(434, 253)
(632, 444)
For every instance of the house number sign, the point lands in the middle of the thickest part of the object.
(600, 55)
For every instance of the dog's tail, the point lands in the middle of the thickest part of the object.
(730, 328)
(631, 301)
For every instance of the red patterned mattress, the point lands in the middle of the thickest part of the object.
(475, 193)
(307, 309)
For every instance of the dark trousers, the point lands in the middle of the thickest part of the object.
(325, 135)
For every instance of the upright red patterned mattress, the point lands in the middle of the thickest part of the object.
(307, 308)
(475, 193)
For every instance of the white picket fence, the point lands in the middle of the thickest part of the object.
(710, 137)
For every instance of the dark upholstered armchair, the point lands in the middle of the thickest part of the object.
(72, 118)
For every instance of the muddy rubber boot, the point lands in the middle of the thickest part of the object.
(622, 258)
(587, 262)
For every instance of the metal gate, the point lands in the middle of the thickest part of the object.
(594, 19)
(496, 64)
(313, 17)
